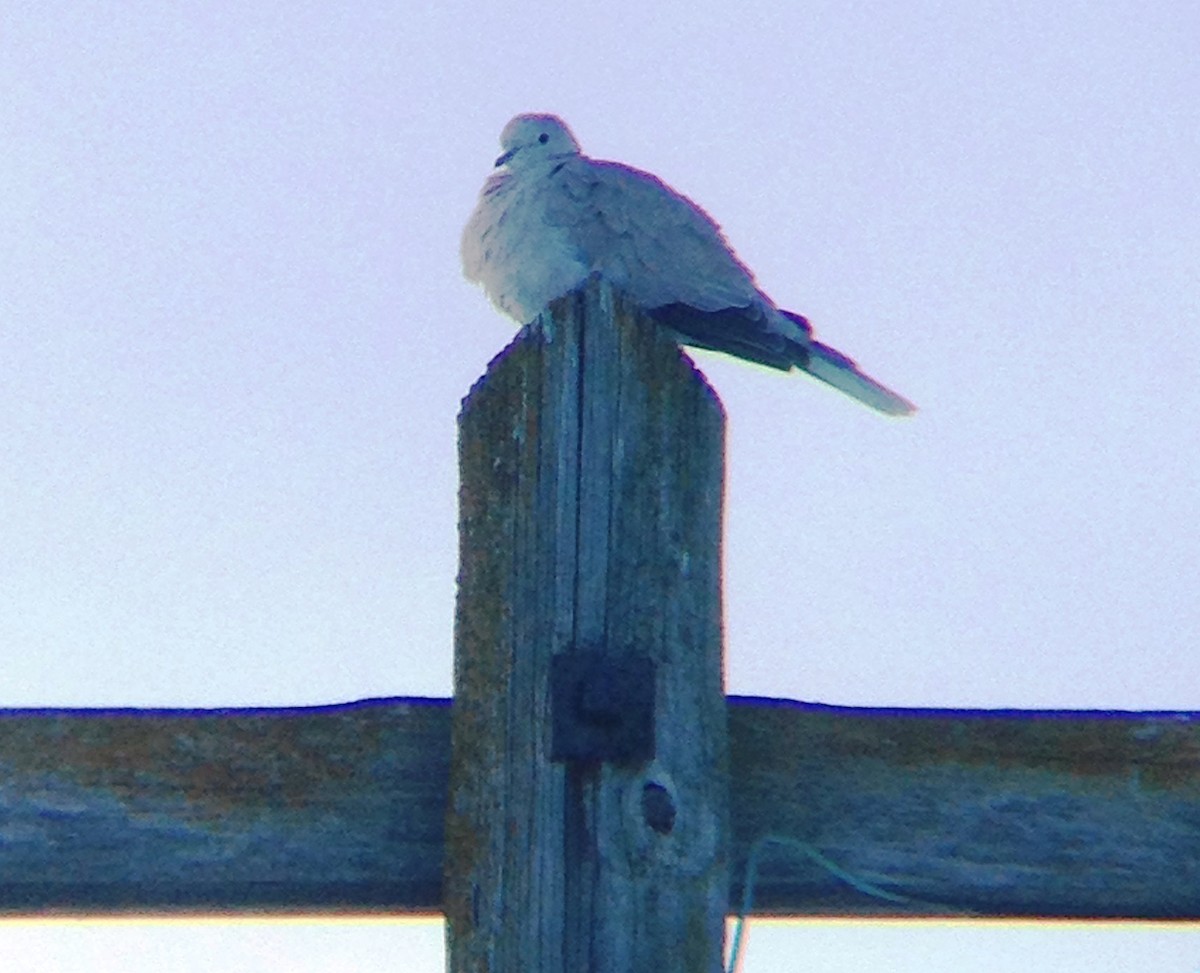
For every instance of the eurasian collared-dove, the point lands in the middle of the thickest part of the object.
(551, 217)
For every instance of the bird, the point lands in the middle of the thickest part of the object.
(549, 218)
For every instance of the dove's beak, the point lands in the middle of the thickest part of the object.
(504, 158)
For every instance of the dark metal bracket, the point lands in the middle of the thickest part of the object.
(602, 707)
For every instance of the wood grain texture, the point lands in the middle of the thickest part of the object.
(310, 809)
(591, 458)
(1021, 813)
(333, 809)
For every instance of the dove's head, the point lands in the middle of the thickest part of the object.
(532, 140)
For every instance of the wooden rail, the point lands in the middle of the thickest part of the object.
(334, 809)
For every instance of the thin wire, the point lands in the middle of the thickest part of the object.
(812, 854)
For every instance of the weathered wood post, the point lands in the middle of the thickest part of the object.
(587, 821)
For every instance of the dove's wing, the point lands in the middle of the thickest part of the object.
(665, 252)
(648, 240)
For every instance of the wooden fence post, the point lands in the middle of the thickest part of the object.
(591, 459)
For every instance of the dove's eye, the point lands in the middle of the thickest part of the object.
(543, 138)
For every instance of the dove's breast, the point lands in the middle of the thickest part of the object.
(522, 260)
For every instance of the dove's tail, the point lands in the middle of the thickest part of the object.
(779, 339)
(834, 368)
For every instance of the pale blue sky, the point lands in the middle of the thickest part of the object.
(234, 337)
